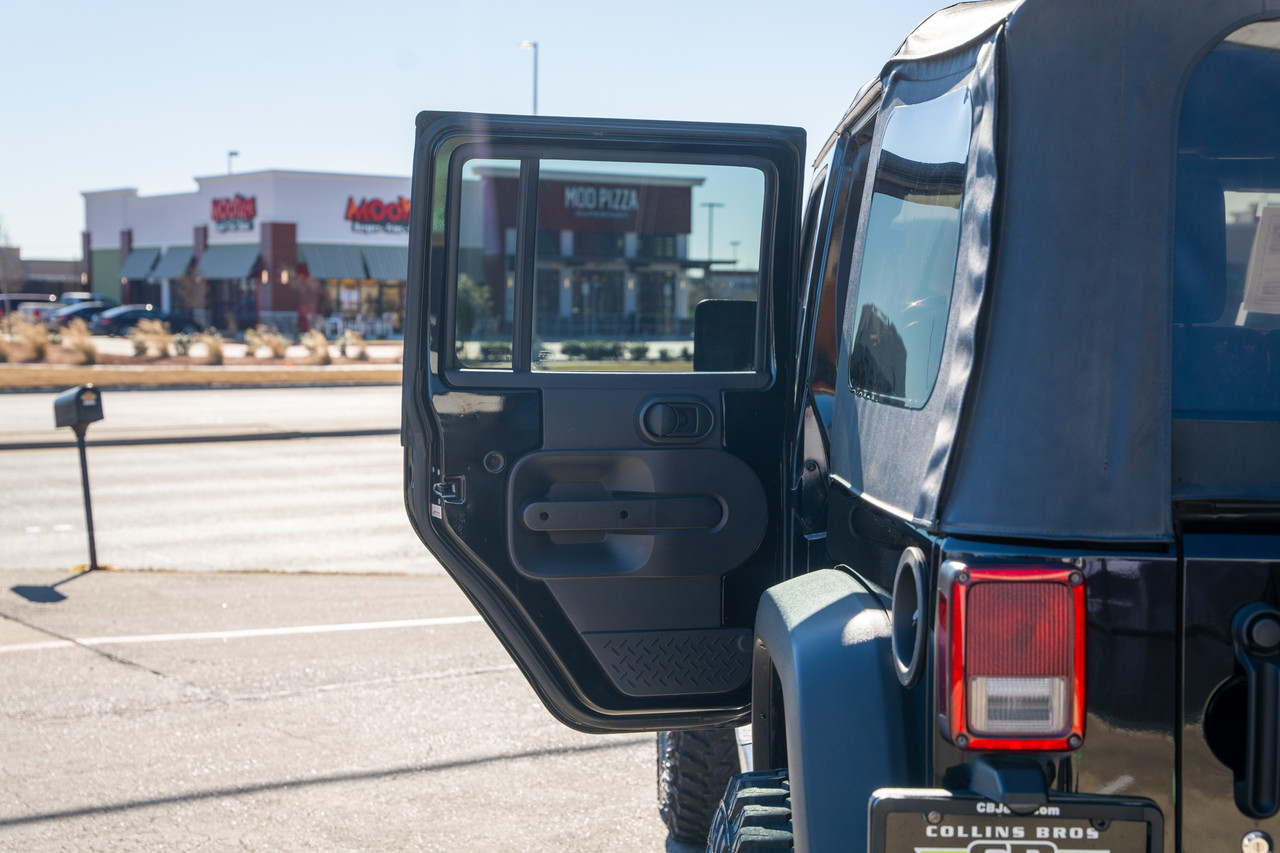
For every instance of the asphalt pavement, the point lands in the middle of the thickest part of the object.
(333, 691)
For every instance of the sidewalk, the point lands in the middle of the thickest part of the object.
(221, 414)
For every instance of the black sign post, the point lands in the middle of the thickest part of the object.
(77, 408)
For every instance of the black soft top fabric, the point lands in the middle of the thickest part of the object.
(1064, 432)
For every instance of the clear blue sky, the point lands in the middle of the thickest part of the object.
(151, 94)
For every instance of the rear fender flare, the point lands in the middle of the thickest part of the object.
(826, 637)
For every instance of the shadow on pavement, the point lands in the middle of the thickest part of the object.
(45, 594)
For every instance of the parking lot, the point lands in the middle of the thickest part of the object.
(274, 665)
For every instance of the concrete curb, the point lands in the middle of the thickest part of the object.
(195, 438)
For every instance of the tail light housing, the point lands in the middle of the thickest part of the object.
(1010, 656)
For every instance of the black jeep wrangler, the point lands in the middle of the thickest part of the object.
(956, 476)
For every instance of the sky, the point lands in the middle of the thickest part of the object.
(151, 95)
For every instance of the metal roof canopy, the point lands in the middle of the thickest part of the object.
(387, 263)
(229, 261)
(1065, 430)
(174, 263)
(329, 261)
(139, 263)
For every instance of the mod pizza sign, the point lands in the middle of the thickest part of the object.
(375, 215)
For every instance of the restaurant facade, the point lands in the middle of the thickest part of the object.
(287, 249)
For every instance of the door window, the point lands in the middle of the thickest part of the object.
(1226, 341)
(620, 256)
(909, 262)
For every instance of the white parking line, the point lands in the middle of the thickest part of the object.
(237, 635)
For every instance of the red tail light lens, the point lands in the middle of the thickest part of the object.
(1011, 657)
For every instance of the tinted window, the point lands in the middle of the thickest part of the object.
(1226, 340)
(908, 264)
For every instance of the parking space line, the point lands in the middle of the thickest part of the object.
(237, 635)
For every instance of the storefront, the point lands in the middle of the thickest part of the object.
(613, 257)
(292, 250)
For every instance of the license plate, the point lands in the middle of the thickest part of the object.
(937, 821)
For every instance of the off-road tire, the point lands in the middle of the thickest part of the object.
(693, 770)
(755, 815)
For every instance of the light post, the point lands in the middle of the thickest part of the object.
(711, 215)
(231, 154)
(533, 45)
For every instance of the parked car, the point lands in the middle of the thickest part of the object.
(80, 310)
(121, 320)
(34, 305)
(78, 296)
(970, 517)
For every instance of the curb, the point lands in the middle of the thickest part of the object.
(197, 439)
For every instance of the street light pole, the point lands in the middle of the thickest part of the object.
(533, 45)
(711, 214)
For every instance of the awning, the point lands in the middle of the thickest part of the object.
(174, 263)
(229, 261)
(139, 263)
(327, 261)
(387, 263)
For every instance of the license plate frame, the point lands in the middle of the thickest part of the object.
(926, 820)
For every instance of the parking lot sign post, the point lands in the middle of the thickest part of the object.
(77, 408)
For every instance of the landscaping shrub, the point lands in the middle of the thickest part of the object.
(151, 335)
(496, 351)
(265, 337)
(33, 334)
(213, 346)
(636, 350)
(317, 346)
(75, 337)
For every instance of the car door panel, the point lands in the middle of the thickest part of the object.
(614, 522)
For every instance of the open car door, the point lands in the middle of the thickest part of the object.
(599, 341)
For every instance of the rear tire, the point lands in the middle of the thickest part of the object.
(693, 770)
(755, 815)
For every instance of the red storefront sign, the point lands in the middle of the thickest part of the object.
(234, 214)
(374, 214)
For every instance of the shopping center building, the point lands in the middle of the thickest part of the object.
(293, 249)
(282, 248)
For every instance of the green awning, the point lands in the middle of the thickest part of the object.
(139, 263)
(174, 263)
(229, 261)
(328, 261)
(387, 263)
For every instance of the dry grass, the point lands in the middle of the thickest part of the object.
(318, 346)
(75, 337)
(352, 345)
(213, 346)
(151, 336)
(31, 336)
(265, 337)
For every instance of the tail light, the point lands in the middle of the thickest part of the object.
(1010, 656)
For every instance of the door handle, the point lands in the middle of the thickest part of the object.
(636, 514)
(1255, 631)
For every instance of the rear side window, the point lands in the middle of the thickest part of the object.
(1226, 341)
(909, 261)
